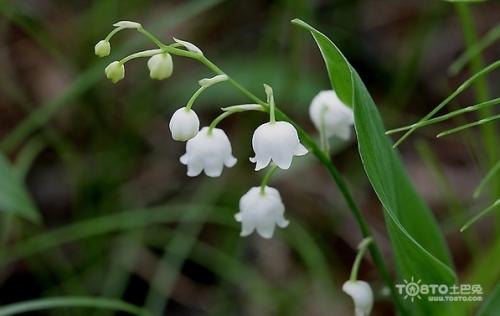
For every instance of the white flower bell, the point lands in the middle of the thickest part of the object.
(331, 115)
(361, 294)
(160, 66)
(208, 151)
(115, 71)
(184, 124)
(276, 141)
(261, 211)
(102, 48)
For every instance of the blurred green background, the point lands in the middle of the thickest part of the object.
(121, 219)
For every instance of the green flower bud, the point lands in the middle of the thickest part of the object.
(102, 48)
(115, 71)
(160, 66)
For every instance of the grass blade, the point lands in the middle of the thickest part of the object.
(480, 215)
(467, 83)
(469, 125)
(73, 302)
(493, 171)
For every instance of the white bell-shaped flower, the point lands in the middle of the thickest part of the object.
(115, 71)
(276, 141)
(261, 211)
(329, 113)
(208, 151)
(102, 48)
(361, 294)
(184, 124)
(160, 66)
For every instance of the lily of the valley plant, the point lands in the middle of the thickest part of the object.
(208, 150)
(275, 142)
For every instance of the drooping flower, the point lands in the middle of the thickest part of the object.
(208, 151)
(331, 115)
(261, 211)
(102, 48)
(160, 66)
(189, 46)
(184, 124)
(128, 25)
(115, 71)
(276, 141)
(361, 294)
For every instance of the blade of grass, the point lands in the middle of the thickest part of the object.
(455, 208)
(493, 171)
(490, 38)
(480, 215)
(70, 302)
(181, 244)
(97, 226)
(444, 117)
(467, 83)
(469, 125)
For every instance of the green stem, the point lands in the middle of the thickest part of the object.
(324, 159)
(272, 115)
(361, 251)
(151, 37)
(266, 178)
(322, 132)
(195, 96)
(218, 119)
(112, 33)
(146, 53)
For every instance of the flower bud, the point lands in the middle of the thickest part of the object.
(261, 211)
(102, 48)
(207, 82)
(184, 124)
(361, 294)
(160, 66)
(189, 46)
(128, 25)
(331, 115)
(115, 71)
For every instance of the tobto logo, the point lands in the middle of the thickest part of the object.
(415, 289)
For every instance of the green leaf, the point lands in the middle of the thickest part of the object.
(336, 65)
(492, 304)
(419, 247)
(13, 196)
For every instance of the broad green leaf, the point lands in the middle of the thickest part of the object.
(419, 247)
(336, 65)
(13, 196)
(492, 305)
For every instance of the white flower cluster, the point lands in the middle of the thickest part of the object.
(208, 149)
